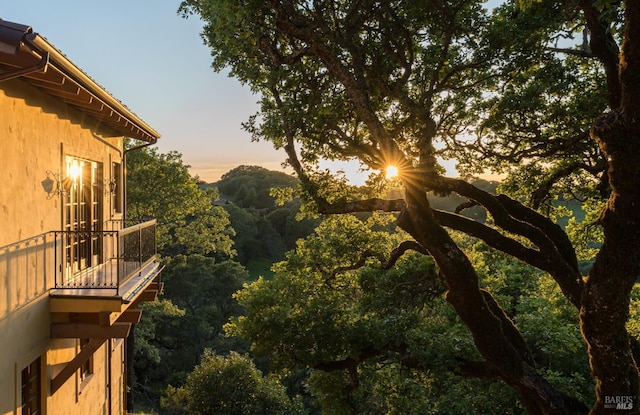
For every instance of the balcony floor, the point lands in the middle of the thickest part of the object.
(127, 291)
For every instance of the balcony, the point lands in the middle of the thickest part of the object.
(83, 271)
(100, 279)
(114, 265)
(107, 262)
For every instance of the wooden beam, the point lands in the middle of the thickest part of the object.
(87, 318)
(75, 363)
(130, 316)
(146, 295)
(91, 331)
(62, 87)
(78, 304)
(72, 92)
(156, 286)
(104, 318)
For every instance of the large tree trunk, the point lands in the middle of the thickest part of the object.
(605, 301)
(494, 334)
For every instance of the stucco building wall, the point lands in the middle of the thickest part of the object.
(37, 132)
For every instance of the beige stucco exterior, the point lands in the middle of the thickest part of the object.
(38, 133)
(35, 138)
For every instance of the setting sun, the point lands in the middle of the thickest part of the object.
(392, 171)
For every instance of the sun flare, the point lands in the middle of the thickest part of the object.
(74, 171)
(392, 171)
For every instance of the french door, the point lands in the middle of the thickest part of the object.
(83, 214)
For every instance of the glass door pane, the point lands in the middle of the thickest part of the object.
(83, 214)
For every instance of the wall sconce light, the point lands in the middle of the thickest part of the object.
(52, 184)
(55, 184)
(109, 187)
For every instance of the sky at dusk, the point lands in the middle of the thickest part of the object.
(154, 61)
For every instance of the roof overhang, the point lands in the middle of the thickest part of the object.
(34, 60)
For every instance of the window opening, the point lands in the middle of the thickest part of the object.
(116, 194)
(31, 391)
(86, 369)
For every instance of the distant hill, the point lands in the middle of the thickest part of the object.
(264, 231)
(249, 186)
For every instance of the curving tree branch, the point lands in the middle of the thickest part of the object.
(604, 47)
(356, 265)
(401, 250)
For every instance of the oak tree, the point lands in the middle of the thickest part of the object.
(384, 340)
(546, 92)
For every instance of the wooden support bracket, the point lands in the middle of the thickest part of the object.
(75, 364)
(130, 316)
(149, 294)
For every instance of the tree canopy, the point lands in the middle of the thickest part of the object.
(196, 303)
(385, 341)
(264, 230)
(230, 385)
(159, 186)
(545, 92)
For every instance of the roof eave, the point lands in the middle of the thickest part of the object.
(94, 100)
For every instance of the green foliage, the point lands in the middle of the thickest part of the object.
(159, 186)
(204, 289)
(384, 388)
(307, 304)
(587, 234)
(250, 186)
(197, 301)
(289, 226)
(633, 325)
(385, 341)
(259, 268)
(263, 231)
(229, 385)
(548, 324)
(160, 317)
(533, 127)
(256, 238)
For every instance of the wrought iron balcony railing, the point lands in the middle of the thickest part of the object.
(75, 260)
(104, 259)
